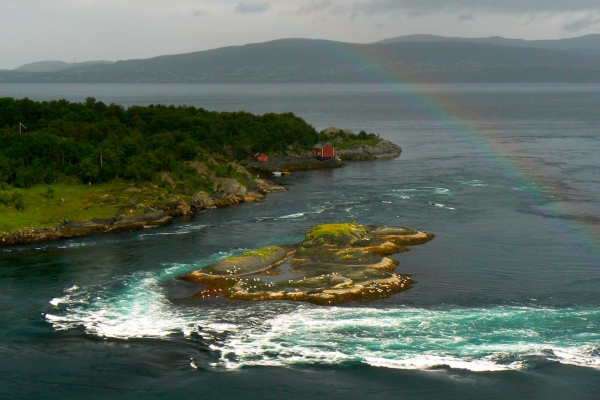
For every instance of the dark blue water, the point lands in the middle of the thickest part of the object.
(506, 303)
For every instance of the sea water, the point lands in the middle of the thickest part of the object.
(506, 302)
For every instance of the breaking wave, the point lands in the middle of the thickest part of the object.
(278, 334)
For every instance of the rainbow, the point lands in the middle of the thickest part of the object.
(463, 127)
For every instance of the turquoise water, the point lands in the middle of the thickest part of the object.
(506, 302)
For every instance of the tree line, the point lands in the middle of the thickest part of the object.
(95, 142)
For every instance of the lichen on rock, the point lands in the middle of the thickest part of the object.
(334, 264)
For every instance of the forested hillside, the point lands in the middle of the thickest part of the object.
(94, 142)
(325, 61)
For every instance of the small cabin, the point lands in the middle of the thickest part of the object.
(262, 157)
(323, 150)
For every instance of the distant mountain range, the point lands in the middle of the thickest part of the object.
(416, 58)
(52, 66)
(589, 44)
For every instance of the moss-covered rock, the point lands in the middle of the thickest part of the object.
(334, 264)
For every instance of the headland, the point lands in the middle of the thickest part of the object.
(76, 169)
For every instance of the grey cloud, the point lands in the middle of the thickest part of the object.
(246, 8)
(199, 13)
(314, 7)
(466, 17)
(498, 6)
(582, 24)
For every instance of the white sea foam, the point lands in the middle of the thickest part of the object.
(293, 216)
(440, 205)
(57, 300)
(473, 183)
(140, 311)
(73, 245)
(427, 189)
(279, 334)
(300, 214)
(72, 289)
(406, 339)
(180, 230)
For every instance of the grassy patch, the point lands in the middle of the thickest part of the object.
(49, 205)
(350, 143)
(263, 252)
(347, 228)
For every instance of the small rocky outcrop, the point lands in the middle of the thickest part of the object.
(366, 150)
(384, 149)
(334, 264)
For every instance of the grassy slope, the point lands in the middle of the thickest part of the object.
(81, 202)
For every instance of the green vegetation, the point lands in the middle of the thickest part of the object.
(47, 206)
(351, 143)
(94, 142)
(346, 229)
(77, 160)
(251, 261)
(263, 252)
(346, 140)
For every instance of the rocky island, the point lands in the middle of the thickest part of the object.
(335, 263)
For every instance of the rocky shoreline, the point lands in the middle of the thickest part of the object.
(228, 192)
(291, 163)
(383, 150)
(152, 217)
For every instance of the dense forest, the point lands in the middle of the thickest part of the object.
(94, 142)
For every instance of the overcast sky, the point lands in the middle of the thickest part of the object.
(35, 30)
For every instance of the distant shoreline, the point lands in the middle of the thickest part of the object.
(408, 60)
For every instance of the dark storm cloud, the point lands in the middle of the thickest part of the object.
(581, 24)
(499, 6)
(246, 8)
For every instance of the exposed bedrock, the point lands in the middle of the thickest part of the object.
(384, 149)
(334, 264)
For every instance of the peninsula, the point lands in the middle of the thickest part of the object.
(75, 169)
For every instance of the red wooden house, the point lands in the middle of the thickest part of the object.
(323, 150)
(262, 157)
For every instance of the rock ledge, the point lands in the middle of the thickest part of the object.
(335, 263)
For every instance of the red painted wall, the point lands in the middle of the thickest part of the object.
(328, 151)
